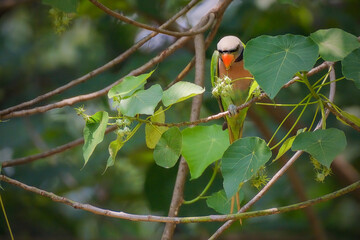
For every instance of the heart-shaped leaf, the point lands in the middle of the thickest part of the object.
(241, 161)
(351, 67)
(141, 102)
(273, 61)
(334, 44)
(168, 149)
(94, 131)
(152, 132)
(129, 85)
(180, 91)
(323, 145)
(203, 145)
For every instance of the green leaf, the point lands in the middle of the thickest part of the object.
(285, 147)
(334, 44)
(323, 145)
(152, 132)
(180, 91)
(203, 145)
(67, 6)
(141, 102)
(351, 67)
(168, 149)
(241, 161)
(214, 67)
(94, 131)
(129, 85)
(220, 203)
(273, 61)
(114, 147)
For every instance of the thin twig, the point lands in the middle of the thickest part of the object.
(276, 177)
(59, 149)
(116, 15)
(103, 68)
(310, 73)
(178, 220)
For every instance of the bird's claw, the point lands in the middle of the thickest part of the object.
(232, 110)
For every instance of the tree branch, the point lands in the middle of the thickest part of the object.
(70, 101)
(178, 220)
(150, 28)
(59, 149)
(101, 69)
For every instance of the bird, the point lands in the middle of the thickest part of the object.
(231, 82)
(231, 85)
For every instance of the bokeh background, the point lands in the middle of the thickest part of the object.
(35, 59)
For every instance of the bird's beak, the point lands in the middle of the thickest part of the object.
(227, 59)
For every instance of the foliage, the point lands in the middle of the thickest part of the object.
(146, 114)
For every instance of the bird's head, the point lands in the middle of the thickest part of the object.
(230, 49)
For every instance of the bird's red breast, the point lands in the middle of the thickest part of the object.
(235, 71)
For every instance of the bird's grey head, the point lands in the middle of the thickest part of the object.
(230, 44)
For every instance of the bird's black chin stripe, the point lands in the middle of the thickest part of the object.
(240, 57)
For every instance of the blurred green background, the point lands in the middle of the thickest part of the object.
(35, 59)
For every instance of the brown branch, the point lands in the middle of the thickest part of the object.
(310, 73)
(178, 220)
(101, 69)
(346, 173)
(340, 116)
(59, 149)
(150, 28)
(70, 101)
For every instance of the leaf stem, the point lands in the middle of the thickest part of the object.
(315, 115)
(286, 105)
(216, 168)
(307, 83)
(132, 132)
(297, 120)
(287, 116)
